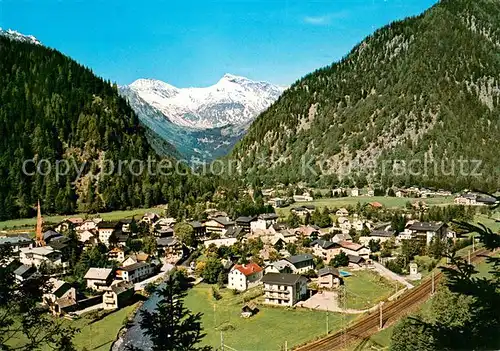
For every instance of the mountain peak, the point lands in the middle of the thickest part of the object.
(233, 100)
(15, 35)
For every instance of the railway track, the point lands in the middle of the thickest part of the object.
(391, 312)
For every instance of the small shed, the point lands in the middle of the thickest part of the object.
(249, 310)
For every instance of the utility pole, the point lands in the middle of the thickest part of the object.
(286, 345)
(327, 321)
(221, 341)
(215, 319)
(432, 286)
(469, 256)
(473, 242)
(381, 320)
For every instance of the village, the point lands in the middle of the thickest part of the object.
(307, 257)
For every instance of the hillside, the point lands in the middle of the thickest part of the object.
(52, 108)
(202, 123)
(425, 88)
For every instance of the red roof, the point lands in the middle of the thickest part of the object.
(376, 204)
(248, 269)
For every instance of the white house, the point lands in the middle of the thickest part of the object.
(263, 222)
(36, 255)
(220, 242)
(342, 212)
(302, 198)
(351, 248)
(99, 279)
(281, 266)
(106, 229)
(135, 272)
(241, 277)
(284, 289)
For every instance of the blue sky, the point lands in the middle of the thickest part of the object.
(193, 43)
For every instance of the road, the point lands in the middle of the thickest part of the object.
(383, 271)
(391, 311)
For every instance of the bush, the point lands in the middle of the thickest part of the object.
(216, 294)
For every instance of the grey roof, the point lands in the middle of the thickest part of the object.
(486, 199)
(50, 234)
(287, 233)
(282, 278)
(168, 241)
(25, 270)
(383, 233)
(355, 259)
(134, 266)
(310, 207)
(328, 270)
(325, 244)
(281, 264)
(234, 232)
(223, 221)
(107, 225)
(299, 258)
(195, 224)
(268, 216)
(121, 287)
(13, 240)
(98, 273)
(426, 226)
(244, 219)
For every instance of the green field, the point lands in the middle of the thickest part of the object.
(93, 336)
(267, 330)
(29, 223)
(365, 288)
(390, 202)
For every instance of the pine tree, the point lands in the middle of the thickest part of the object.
(171, 326)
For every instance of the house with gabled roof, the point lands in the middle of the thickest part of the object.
(118, 295)
(135, 272)
(24, 272)
(61, 297)
(302, 263)
(218, 225)
(284, 289)
(351, 248)
(325, 249)
(244, 222)
(99, 279)
(263, 222)
(329, 277)
(243, 276)
(106, 229)
(281, 266)
(426, 231)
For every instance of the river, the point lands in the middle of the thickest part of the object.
(133, 335)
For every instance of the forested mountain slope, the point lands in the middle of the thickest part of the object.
(52, 108)
(425, 88)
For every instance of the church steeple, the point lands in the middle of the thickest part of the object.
(39, 225)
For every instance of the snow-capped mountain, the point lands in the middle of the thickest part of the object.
(202, 123)
(12, 34)
(232, 100)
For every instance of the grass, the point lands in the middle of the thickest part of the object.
(267, 330)
(366, 288)
(29, 223)
(390, 202)
(97, 336)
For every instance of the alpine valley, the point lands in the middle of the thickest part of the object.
(202, 123)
